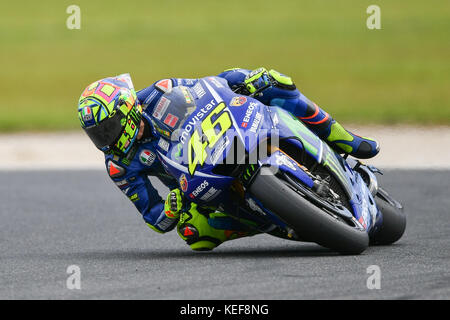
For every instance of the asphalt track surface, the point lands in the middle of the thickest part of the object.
(51, 220)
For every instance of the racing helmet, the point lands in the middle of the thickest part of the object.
(110, 114)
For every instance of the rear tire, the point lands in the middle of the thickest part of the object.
(309, 221)
(394, 220)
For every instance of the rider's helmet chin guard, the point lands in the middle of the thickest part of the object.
(110, 114)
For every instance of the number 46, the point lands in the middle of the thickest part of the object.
(197, 148)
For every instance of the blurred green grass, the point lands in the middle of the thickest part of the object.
(399, 74)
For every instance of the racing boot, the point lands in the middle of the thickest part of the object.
(345, 141)
(340, 139)
(205, 231)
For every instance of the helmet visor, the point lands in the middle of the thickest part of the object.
(106, 132)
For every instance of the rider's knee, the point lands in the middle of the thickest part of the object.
(191, 235)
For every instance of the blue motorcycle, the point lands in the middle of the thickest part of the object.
(262, 165)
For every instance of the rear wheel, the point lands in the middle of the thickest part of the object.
(310, 221)
(394, 220)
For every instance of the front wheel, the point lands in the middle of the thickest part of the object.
(394, 219)
(309, 221)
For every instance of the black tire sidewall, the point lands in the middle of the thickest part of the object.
(393, 225)
(309, 221)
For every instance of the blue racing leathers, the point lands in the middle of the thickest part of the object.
(131, 173)
(288, 97)
(281, 91)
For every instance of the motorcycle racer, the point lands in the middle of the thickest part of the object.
(119, 122)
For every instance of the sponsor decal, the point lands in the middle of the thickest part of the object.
(147, 157)
(87, 114)
(164, 133)
(368, 213)
(195, 119)
(178, 152)
(199, 189)
(161, 107)
(169, 214)
(199, 91)
(188, 231)
(215, 82)
(134, 197)
(164, 85)
(183, 182)
(254, 73)
(164, 224)
(149, 99)
(122, 183)
(171, 120)
(218, 151)
(210, 194)
(188, 82)
(248, 114)
(115, 170)
(238, 101)
(254, 206)
(187, 95)
(255, 124)
(249, 111)
(282, 159)
(163, 144)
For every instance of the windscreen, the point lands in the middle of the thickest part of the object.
(173, 108)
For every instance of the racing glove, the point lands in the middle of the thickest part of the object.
(260, 79)
(174, 204)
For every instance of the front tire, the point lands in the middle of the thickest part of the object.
(309, 221)
(394, 220)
